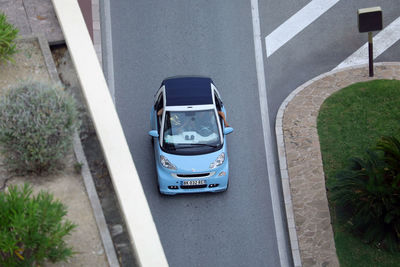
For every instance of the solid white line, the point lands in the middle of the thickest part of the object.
(106, 35)
(381, 42)
(296, 24)
(271, 168)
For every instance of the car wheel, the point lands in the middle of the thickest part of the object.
(205, 131)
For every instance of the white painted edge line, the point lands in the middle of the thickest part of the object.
(271, 168)
(381, 42)
(132, 200)
(296, 23)
(282, 154)
(107, 47)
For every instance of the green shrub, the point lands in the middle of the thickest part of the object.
(8, 34)
(37, 122)
(32, 228)
(369, 192)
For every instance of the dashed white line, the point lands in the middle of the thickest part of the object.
(381, 42)
(296, 24)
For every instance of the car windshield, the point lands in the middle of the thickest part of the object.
(191, 132)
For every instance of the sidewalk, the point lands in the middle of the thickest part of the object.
(300, 161)
(33, 17)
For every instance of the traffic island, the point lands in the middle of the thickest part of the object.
(300, 160)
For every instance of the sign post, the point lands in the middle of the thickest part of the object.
(370, 55)
(369, 20)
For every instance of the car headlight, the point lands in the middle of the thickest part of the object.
(218, 161)
(166, 163)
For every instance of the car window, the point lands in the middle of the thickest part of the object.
(183, 129)
(217, 102)
(159, 105)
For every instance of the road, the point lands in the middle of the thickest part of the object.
(156, 39)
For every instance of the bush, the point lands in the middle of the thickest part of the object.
(8, 34)
(32, 228)
(369, 191)
(37, 122)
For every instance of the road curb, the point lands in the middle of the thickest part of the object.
(282, 149)
(97, 29)
(81, 158)
(95, 203)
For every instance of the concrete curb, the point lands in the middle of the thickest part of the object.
(95, 203)
(96, 29)
(106, 45)
(283, 159)
(81, 158)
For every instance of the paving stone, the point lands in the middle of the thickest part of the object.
(15, 12)
(43, 20)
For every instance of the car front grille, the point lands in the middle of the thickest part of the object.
(193, 186)
(193, 175)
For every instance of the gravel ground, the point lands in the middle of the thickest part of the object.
(29, 64)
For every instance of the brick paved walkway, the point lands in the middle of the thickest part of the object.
(33, 17)
(301, 163)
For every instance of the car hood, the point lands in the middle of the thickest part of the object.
(193, 163)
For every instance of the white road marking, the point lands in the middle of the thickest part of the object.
(271, 168)
(108, 60)
(296, 24)
(381, 42)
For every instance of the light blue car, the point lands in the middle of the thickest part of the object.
(188, 134)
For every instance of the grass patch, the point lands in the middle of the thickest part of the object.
(349, 122)
(352, 252)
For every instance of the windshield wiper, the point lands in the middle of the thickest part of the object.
(197, 144)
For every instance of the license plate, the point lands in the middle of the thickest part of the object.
(193, 182)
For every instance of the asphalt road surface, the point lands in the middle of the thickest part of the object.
(156, 39)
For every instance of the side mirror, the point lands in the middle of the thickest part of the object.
(228, 130)
(153, 133)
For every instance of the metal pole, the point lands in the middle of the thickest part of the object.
(370, 55)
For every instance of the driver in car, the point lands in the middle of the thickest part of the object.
(220, 113)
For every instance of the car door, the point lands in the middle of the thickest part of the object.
(157, 121)
(219, 105)
(158, 104)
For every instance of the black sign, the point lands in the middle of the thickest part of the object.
(370, 19)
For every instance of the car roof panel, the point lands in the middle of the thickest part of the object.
(187, 91)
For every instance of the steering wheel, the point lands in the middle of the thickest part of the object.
(205, 131)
